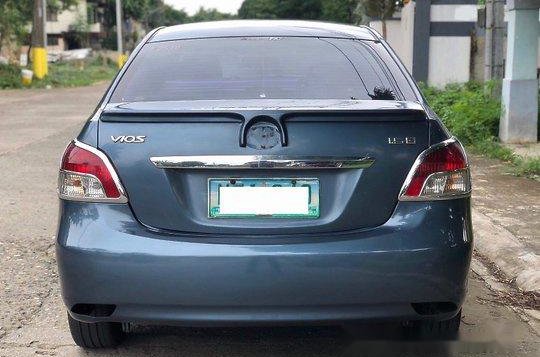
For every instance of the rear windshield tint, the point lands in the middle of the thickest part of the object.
(254, 68)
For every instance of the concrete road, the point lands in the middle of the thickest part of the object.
(35, 126)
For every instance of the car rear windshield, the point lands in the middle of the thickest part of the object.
(255, 68)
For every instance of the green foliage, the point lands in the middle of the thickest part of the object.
(519, 166)
(529, 167)
(209, 15)
(379, 9)
(152, 14)
(135, 9)
(65, 74)
(299, 9)
(72, 74)
(346, 11)
(329, 10)
(165, 15)
(280, 9)
(10, 76)
(467, 110)
(56, 5)
(15, 15)
(491, 147)
(81, 29)
(258, 9)
(472, 114)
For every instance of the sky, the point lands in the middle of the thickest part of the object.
(191, 6)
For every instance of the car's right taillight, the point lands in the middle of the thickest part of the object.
(440, 172)
(86, 174)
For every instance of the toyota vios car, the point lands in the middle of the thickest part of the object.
(262, 172)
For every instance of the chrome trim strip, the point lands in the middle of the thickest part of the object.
(260, 162)
(418, 161)
(123, 196)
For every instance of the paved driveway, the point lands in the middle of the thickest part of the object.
(35, 126)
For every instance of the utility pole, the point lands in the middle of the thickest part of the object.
(121, 57)
(39, 39)
(495, 26)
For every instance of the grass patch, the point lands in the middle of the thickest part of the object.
(472, 114)
(63, 74)
(10, 76)
(519, 166)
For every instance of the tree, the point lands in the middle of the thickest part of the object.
(331, 10)
(161, 14)
(131, 10)
(79, 31)
(258, 9)
(209, 15)
(345, 11)
(299, 9)
(15, 15)
(380, 9)
(280, 9)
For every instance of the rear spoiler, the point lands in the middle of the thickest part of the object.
(278, 110)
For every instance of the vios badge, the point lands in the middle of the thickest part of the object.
(128, 139)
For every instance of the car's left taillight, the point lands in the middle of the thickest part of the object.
(86, 174)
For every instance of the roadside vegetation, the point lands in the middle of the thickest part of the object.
(62, 74)
(472, 113)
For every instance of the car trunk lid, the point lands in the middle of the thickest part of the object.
(384, 136)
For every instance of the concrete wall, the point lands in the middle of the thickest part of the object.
(447, 12)
(407, 30)
(442, 49)
(450, 55)
(449, 60)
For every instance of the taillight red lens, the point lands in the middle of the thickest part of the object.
(86, 174)
(444, 167)
(83, 161)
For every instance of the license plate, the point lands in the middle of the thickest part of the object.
(273, 198)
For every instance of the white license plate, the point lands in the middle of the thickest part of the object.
(264, 200)
(264, 197)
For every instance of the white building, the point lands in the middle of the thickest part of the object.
(62, 26)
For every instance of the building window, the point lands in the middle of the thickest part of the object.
(52, 15)
(52, 40)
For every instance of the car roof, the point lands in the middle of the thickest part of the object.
(263, 28)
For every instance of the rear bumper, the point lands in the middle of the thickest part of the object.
(420, 255)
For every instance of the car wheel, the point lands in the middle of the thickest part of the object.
(95, 335)
(431, 329)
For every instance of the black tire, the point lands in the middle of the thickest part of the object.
(95, 335)
(435, 330)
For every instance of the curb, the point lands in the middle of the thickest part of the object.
(532, 317)
(516, 261)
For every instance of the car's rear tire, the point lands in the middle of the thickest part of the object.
(434, 330)
(95, 335)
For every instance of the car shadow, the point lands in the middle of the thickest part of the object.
(352, 340)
